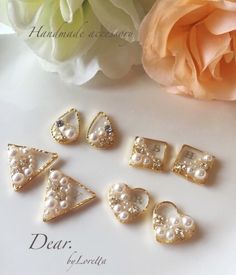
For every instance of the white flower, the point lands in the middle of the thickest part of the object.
(77, 38)
(4, 22)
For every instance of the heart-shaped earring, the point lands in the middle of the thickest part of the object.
(127, 203)
(66, 128)
(100, 133)
(170, 224)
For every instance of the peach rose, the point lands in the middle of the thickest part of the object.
(189, 46)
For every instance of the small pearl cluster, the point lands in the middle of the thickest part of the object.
(102, 136)
(125, 205)
(65, 132)
(22, 164)
(142, 156)
(196, 170)
(61, 195)
(170, 230)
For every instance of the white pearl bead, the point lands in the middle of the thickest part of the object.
(106, 123)
(187, 221)
(93, 137)
(63, 204)
(207, 158)
(117, 208)
(137, 158)
(139, 140)
(49, 213)
(25, 151)
(67, 190)
(101, 133)
(18, 178)
(200, 174)
(55, 175)
(146, 161)
(51, 193)
(100, 129)
(124, 216)
(160, 232)
(12, 152)
(190, 170)
(64, 181)
(175, 221)
(13, 162)
(28, 172)
(118, 187)
(124, 197)
(51, 203)
(70, 133)
(170, 235)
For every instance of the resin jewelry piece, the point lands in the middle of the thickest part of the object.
(126, 203)
(66, 129)
(64, 194)
(193, 164)
(27, 163)
(148, 153)
(100, 133)
(170, 224)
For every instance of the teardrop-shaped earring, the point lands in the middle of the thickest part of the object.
(100, 133)
(66, 128)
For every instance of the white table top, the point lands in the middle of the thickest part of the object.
(31, 99)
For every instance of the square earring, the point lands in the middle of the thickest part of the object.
(193, 164)
(148, 153)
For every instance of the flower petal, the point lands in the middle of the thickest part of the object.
(130, 8)
(220, 21)
(68, 8)
(3, 12)
(114, 59)
(39, 23)
(84, 21)
(113, 19)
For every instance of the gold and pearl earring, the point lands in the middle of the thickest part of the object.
(127, 203)
(100, 133)
(27, 163)
(64, 194)
(66, 128)
(193, 164)
(170, 225)
(149, 154)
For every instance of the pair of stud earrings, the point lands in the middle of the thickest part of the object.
(191, 163)
(100, 133)
(63, 193)
(170, 224)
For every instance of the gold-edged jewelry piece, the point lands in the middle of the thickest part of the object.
(148, 153)
(66, 129)
(170, 225)
(193, 164)
(64, 194)
(27, 163)
(127, 203)
(100, 133)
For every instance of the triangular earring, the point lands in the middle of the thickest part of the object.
(27, 163)
(101, 133)
(67, 127)
(64, 194)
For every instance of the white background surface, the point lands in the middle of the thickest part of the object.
(30, 101)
